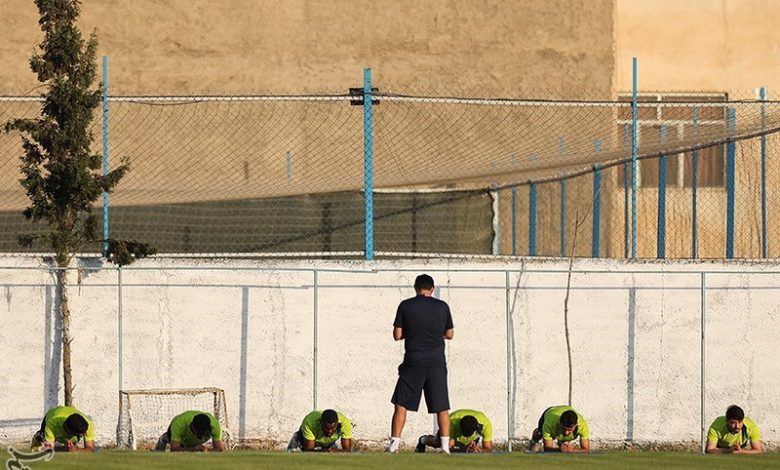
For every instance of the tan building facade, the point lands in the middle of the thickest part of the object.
(727, 49)
(565, 49)
(314, 46)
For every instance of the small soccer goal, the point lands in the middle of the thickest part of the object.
(145, 414)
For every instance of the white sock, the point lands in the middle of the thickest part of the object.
(395, 443)
(445, 443)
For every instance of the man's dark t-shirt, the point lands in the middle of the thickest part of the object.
(424, 321)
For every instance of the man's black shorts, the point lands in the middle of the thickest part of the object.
(413, 380)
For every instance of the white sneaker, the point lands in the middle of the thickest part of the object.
(393, 447)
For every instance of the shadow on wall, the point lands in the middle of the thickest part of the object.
(12, 426)
(52, 350)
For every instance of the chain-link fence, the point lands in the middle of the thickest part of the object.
(448, 175)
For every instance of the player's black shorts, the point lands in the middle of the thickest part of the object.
(414, 380)
(540, 424)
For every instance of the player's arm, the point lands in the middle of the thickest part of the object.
(549, 446)
(712, 443)
(89, 446)
(398, 333)
(584, 447)
(217, 445)
(177, 447)
(755, 448)
(487, 446)
(346, 446)
(309, 445)
(448, 334)
(712, 448)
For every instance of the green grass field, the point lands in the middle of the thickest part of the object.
(126, 460)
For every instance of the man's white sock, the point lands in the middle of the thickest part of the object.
(395, 443)
(445, 444)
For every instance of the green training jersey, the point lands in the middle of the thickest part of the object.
(55, 418)
(181, 432)
(485, 431)
(719, 433)
(552, 428)
(311, 429)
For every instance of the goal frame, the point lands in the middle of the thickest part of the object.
(125, 429)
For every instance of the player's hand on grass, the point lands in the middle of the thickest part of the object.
(473, 448)
(69, 446)
(566, 447)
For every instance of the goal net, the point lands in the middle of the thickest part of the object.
(145, 414)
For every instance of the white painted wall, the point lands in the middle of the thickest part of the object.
(184, 328)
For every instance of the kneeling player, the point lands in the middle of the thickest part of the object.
(470, 431)
(320, 431)
(734, 433)
(189, 431)
(558, 428)
(62, 428)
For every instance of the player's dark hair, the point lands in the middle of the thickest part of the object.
(568, 418)
(76, 424)
(468, 425)
(735, 412)
(329, 417)
(423, 281)
(201, 424)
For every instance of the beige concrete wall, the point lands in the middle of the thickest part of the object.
(635, 335)
(251, 46)
(699, 45)
(537, 48)
(722, 46)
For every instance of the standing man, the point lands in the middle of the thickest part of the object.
(734, 433)
(423, 322)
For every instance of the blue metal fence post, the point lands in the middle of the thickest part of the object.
(596, 210)
(661, 234)
(105, 153)
(762, 96)
(596, 234)
(634, 155)
(496, 219)
(532, 219)
(695, 189)
(730, 182)
(563, 216)
(626, 177)
(368, 163)
(514, 220)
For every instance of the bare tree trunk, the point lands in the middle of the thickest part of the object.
(566, 308)
(577, 222)
(62, 288)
